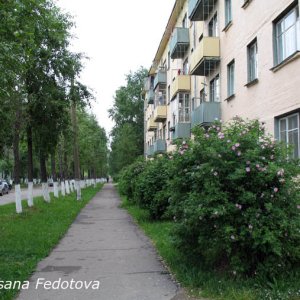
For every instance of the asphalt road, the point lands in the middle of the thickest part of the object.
(5, 199)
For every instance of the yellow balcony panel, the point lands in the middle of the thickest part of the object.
(151, 125)
(206, 56)
(160, 113)
(181, 83)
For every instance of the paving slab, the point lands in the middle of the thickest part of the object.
(105, 248)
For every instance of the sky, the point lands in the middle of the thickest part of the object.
(118, 37)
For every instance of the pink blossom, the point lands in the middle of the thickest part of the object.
(298, 206)
(257, 166)
(239, 153)
(275, 189)
(232, 237)
(248, 169)
(216, 173)
(207, 135)
(280, 172)
(221, 135)
(233, 148)
(272, 157)
(250, 226)
(228, 141)
(239, 206)
(237, 145)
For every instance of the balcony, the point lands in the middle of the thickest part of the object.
(159, 146)
(181, 83)
(205, 57)
(206, 113)
(179, 43)
(151, 125)
(160, 113)
(199, 10)
(181, 131)
(150, 96)
(160, 78)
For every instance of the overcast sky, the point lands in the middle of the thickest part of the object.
(119, 36)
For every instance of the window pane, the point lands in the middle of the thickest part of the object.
(294, 141)
(290, 41)
(290, 19)
(282, 125)
(293, 122)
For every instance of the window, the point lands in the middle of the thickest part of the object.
(169, 60)
(169, 94)
(289, 133)
(169, 126)
(186, 67)
(228, 12)
(202, 96)
(214, 89)
(184, 22)
(230, 79)
(252, 61)
(286, 35)
(213, 28)
(184, 108)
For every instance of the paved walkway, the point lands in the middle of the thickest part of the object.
(103, 244)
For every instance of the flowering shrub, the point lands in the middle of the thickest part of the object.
(234, 200)
(151, 190)
(128, 176)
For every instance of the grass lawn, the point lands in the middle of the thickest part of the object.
(205, 283)
(27, 238)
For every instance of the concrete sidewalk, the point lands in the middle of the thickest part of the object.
(103, 244)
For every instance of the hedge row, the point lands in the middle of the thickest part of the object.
(232, 193)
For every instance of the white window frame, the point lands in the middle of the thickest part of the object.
(289, 130)
(252, 61)
(230, 78)
(281, 50)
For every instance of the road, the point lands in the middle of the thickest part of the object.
(37, 191)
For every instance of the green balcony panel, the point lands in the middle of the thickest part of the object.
(160, 78)
(199, 10)
(181, 131)
(150, 96)
(179, 43)
(159, 146)
(206, 113)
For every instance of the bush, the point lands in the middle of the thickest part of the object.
(234, 200)
(128, 177)
(151, 190)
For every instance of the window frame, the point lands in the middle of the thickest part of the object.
(214, 89)
(228, 12)
(231, 78)
(280, 19)
(250, 78)
(288, 130)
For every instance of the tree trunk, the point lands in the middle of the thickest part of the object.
(61, 170)
(29, 167)
(16, 144)
(76, 151)
(54, 177)
(44, 177)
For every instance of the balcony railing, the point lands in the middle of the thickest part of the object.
(151, 125)
(159, 146)
(150, 150)
(181, 130)
(179, 43)
(160, 78)
(206, 113)
(180, 83)
(150, 96)
(205, 57)
(199, 10)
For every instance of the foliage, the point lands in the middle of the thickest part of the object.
(240, 209)
(233, 196)
(201, 282)
(128, 177)
(128, 114)
(151, 190)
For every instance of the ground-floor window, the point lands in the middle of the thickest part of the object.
(289, 132)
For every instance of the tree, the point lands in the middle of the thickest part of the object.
(128, 114)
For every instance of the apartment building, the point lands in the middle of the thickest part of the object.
(218, 59)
